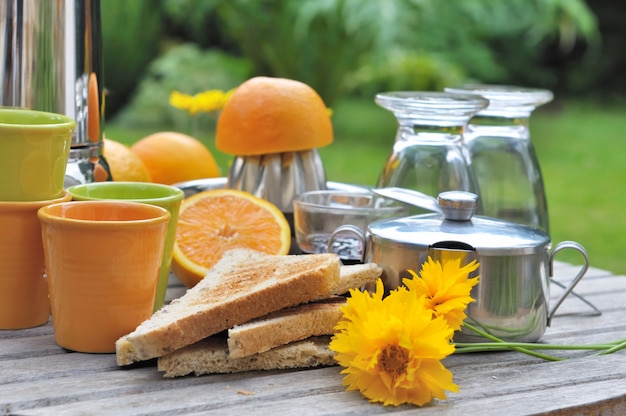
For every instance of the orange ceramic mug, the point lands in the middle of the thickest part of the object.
(23, 288)
(102, 262)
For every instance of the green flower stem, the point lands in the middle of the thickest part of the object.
(496, 346)
(482, 347)
(616, 347)
(512, 346)
(531, 348)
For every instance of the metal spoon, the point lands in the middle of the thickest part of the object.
(410, 197)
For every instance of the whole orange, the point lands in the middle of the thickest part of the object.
(273, 115)
(123, 163)
(175, 157)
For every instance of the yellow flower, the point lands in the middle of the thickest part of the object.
(180, 100)
(446, 288)
(206, 101)
(392, 348)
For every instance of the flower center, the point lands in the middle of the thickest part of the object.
(393, 360)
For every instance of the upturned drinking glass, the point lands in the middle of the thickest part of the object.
(503, 156)
(429, 154)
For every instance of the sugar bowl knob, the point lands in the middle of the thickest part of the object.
(457, 205)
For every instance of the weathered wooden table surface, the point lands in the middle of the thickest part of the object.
(39, 378)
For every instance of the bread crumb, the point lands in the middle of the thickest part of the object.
(246, 393)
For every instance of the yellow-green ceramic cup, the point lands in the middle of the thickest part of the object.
(164, 196)
(34, 150)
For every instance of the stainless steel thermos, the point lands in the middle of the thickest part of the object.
(51, 60)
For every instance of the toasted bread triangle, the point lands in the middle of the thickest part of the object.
(210, 356)
(245, 284)
(285, 326)
(302, 321)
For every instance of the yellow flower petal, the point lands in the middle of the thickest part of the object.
(206, 101)
(446, 287)
(392, 347)
(180, 100)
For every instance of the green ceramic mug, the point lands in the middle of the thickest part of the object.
(164, 196)
(34, 150)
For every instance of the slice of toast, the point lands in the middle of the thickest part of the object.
(302, 321)
(354, 276)
(285, 326)
(243, 285)
(210, 356)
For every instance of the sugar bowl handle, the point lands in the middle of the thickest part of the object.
(581, 273)
(351, 229)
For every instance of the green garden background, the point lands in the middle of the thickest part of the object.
(348, 50)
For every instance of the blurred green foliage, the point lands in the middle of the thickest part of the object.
(188, 69)
(131, 36)
(354, 47)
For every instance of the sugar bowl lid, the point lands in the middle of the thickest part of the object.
(456, 225)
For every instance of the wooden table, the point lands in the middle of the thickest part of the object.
(39, 378)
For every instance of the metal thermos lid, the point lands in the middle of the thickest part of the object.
(457, 224)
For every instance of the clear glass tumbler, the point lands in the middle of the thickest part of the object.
(429, 154)
(503, 156)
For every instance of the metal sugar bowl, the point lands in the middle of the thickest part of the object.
(512, 298)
